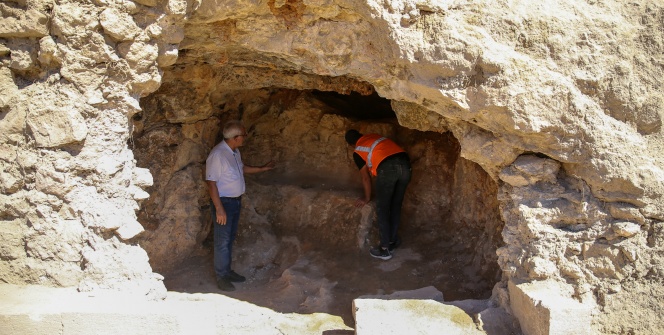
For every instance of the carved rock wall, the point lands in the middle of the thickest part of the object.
(309, 196)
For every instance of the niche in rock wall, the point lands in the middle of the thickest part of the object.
(451, 224)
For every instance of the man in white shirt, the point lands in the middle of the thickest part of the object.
(224, 174)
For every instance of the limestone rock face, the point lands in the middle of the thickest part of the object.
(70, 185)
(559, 103)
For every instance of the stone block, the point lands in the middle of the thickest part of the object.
(547, 308)
(168, 55)
(142, 177)
(410, 312)
(129, 230)
(176, 7)
(56, 126)
(120, 26)
(30, 23)
(626, 229)
(8, 86)
(48, 51)
(23, 55)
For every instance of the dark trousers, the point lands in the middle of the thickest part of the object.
(224, 235)
(393, 176)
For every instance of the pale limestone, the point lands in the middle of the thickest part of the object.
(23, 54)
(14, 205)
(168, 55)
(129, 228)
(39, 309)
(546, 308)
(48, 51)
(403, 316)
(626, 229)
(9, 182)
(56, 127)
(142, 177)
(120, 26)
(9, 91)
(49, 181)
(139, 55)
(31, 23)
(529, 169)
(4, 51)
(507, 79)
(69, 18)
(138, 193)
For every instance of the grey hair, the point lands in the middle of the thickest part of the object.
(233, 128)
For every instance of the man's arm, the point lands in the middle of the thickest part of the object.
(214, 195)
(247, 169)
(366, 185)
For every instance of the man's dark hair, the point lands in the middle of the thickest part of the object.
(352, 136)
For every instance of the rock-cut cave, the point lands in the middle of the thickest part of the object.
(301, 241)
(534, 130)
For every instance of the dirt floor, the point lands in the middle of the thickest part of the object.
(327, 281)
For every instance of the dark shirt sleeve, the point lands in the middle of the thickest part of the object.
(359, 161)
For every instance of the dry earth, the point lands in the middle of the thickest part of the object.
(327, 281)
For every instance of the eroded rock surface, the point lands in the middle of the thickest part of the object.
(559, 103)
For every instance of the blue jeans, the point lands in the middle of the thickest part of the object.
(224, 235)
(393, 176)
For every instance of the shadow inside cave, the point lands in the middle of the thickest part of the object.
(322, 279)
(301, 243)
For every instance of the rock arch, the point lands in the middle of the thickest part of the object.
(566, 121)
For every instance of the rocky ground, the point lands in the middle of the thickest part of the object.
(326, 280)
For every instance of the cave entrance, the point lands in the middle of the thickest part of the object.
(301, 241)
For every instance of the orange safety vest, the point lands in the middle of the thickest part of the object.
(374, 148)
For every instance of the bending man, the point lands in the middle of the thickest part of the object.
(380, 157)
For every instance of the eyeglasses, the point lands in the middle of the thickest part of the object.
(243, 135)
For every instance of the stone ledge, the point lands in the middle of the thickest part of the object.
(41, 310)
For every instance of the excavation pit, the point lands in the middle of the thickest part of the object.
(301, 241)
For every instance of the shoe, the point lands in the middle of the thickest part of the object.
(394, 245)
(235, 277)
(381, 253)
(225, 285)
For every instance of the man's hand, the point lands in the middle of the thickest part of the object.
(216, 202)
(360, 202)
(268, 166)
(255, 169)
(221, 217)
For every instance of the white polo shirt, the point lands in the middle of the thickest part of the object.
(224, 166)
